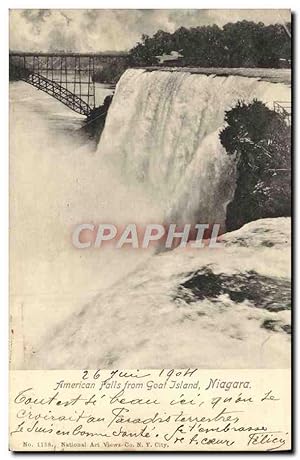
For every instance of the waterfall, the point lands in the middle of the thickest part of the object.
(162, 132)
(159, 158)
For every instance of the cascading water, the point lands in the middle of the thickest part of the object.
(162, 131)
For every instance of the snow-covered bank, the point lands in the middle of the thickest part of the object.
(144, 321)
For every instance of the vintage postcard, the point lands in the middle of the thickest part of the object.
(150, 230)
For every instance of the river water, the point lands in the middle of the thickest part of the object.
(56, 183)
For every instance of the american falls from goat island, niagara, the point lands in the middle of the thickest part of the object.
(159, 160)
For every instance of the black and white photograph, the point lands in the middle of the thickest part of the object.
(150, 189)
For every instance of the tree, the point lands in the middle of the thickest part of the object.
(260, 140)
(240, 44)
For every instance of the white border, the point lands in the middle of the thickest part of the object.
(4, 6)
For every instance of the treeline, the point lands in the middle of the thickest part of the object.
(110, 72)
(240, 44)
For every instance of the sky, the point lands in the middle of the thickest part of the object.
(114, 30)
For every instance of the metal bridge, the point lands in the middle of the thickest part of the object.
(68, 77)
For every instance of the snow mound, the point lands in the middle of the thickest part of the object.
(153, 318)
(262, 232)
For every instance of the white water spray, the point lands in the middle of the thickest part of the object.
(162, 130)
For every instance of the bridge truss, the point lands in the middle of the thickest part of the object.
(68, 77)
